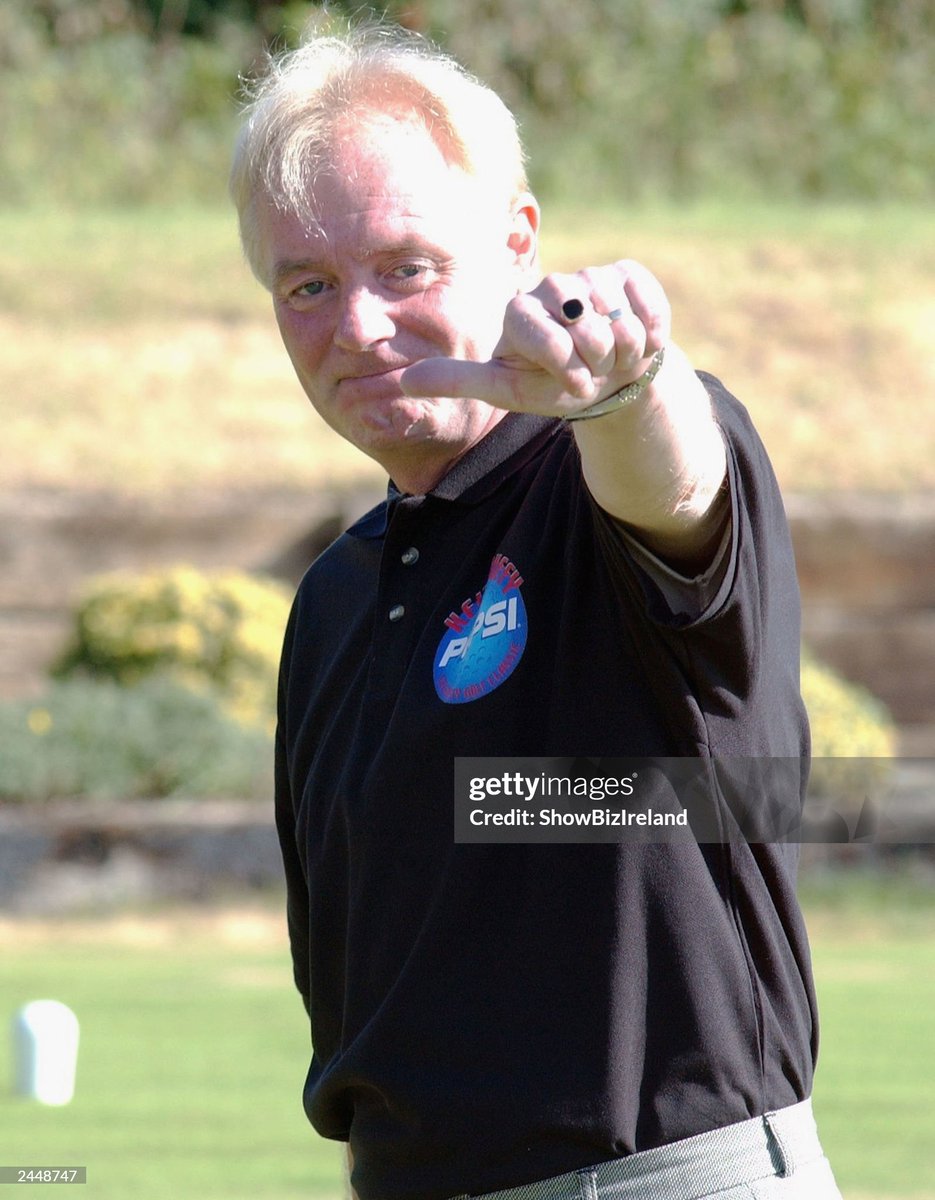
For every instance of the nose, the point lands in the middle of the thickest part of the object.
(364, 320)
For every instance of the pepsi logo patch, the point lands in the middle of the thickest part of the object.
(485, 640)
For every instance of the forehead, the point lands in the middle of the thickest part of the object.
(377, 151)
(385, 179)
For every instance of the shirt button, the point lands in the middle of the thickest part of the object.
(397, 612)
(410, 556)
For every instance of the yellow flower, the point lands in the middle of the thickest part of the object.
(39, 721)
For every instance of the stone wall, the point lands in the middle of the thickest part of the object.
(867, 569)
(80, 856)
(866, 565)
(51, 542)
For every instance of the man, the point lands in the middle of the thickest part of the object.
(619, 1020)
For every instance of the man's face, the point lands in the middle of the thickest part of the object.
(410, 258)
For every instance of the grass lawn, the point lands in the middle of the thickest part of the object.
(140, 354)
(191, 1059)
(873, 947)
(193, 1049)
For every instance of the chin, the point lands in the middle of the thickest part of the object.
(410, 420)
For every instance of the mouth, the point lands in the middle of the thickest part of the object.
(381, 384)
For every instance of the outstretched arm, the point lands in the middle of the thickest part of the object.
(658, 463)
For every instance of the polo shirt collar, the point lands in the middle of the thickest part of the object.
(504, 450)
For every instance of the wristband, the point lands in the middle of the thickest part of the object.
(626, 394)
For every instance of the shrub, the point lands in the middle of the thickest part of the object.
(209, 632)
(116, 101)
(95, 111)
(97, 739)
(853, 741)
(182, 690)
(640, 99)
(847, 721)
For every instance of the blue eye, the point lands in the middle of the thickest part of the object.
(406, 271)
(314, 288)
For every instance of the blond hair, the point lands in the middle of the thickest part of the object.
(300, 107)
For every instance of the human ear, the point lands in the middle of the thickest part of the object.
(523, 239)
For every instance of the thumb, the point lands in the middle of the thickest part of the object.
(453, 377)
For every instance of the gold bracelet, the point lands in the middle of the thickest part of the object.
(626, 394)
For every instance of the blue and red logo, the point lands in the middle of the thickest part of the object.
(485, 640)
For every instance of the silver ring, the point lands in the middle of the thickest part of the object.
(615, 314)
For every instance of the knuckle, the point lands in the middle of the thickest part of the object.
(557, 285)
(579, 384)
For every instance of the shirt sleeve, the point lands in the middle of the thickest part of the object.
(297, 898)
(724, 656)
(688, 595)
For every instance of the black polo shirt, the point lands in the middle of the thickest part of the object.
(487, 1015)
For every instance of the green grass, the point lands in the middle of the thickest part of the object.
(140, 353)
(191, 1062)
(875, 1091)
(193, 1049)
(873, 947)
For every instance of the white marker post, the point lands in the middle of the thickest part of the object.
(45, 1051)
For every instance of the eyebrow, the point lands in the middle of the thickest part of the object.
(291, 266)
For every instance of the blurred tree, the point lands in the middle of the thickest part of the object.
(128, 100)
(200, 17)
